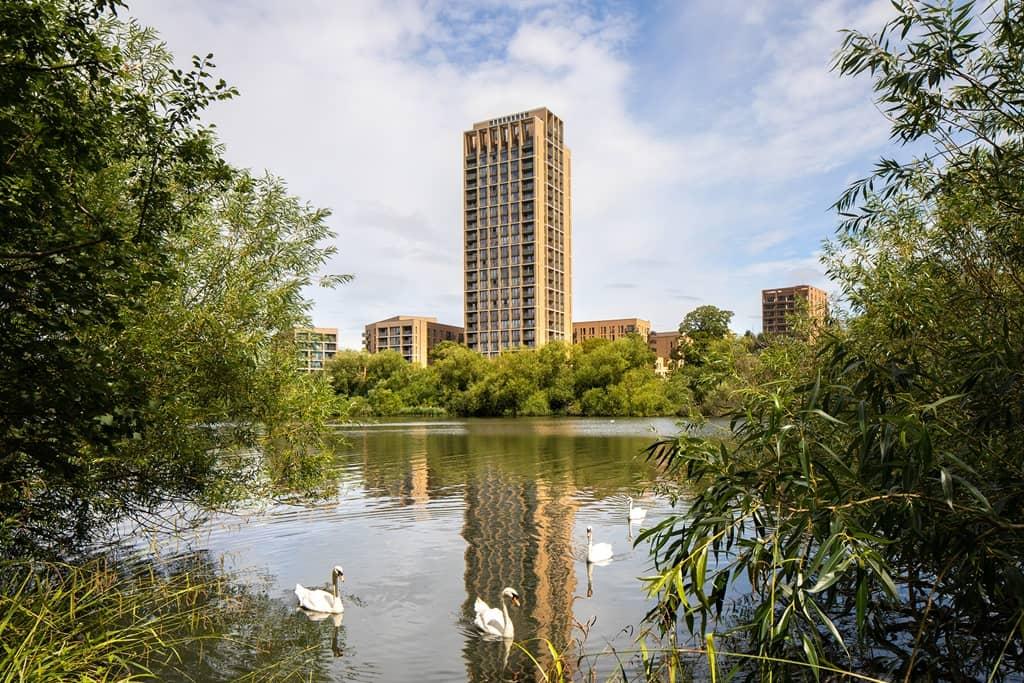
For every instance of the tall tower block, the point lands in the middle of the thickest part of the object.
(517, 232)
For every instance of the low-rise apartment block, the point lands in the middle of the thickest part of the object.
(777, 305)
(609, 329)
(411, 336)
(663, 344)
(316, 345)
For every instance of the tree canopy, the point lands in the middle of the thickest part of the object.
(144, 283)
(706, 323)
(599, 377)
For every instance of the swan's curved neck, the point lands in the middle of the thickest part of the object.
(334, 582)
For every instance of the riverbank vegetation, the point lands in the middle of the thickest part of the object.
(870, 509)
(596, 378)
(144, 288)
(142, 619)
(144, 285)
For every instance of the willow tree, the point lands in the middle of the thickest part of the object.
(143, 282)
(873, 509)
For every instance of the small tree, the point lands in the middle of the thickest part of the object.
(700, 327)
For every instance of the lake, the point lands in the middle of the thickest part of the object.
(430, 514)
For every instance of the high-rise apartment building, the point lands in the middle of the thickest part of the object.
(517, 227)
(777, 305)
(411, 336)
(609, 329)
(316, 345)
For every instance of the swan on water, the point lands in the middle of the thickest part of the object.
(597, 552)
(494, 621)
(318, 600)
(636, 514)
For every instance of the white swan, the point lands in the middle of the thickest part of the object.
(597, 552)
(636, 514)
(317, 600)
(494, 621)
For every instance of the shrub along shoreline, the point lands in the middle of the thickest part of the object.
(596, 378)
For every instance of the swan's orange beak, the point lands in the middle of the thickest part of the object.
(515, 601)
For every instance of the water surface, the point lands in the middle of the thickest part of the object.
(431, 514)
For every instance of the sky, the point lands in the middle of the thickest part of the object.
(709, 137)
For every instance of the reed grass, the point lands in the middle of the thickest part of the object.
(666, 664)
(91, 622)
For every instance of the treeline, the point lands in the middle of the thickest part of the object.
(596, 378)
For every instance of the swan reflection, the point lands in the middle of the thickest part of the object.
(320, 616)
(590, 575)
(597, 552)
(336, 617)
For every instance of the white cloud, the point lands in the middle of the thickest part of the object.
(767, 239)
(360, 106)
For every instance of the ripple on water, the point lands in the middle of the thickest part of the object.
(430, 514)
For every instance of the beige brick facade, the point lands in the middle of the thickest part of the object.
(778, 304)
(610, 329)
(517, 232)
(411, 336)
(316, 346)
(663, 344)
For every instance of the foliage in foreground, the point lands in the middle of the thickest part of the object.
(143, 286)
(873, 509)
(177, 619)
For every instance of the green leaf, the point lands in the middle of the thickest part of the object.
(811, 653)
(947, 486)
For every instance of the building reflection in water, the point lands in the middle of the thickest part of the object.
(519, 533)
(520, 496)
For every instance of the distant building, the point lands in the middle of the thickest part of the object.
(316, 346)
(517, 228)
(609, 329)
(777, 305)
(662, 344)
(411, 336)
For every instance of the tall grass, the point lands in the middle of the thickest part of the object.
(660, 662)
(92, 622)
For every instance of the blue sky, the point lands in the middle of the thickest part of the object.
(709, 138)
